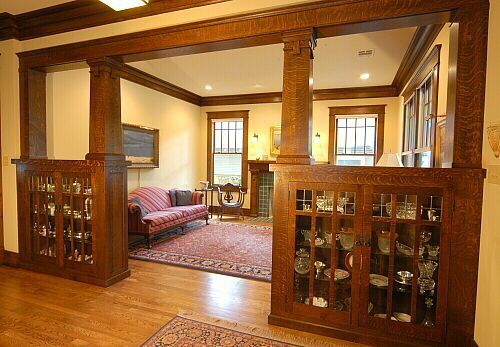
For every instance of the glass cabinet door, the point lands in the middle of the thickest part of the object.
(42, 200)
(325, 230)
(77, 218)
(405, 236)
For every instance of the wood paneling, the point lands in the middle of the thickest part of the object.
(296, 117)
(11, 259)
(379, 110)
(82, 14)
(32, 96)
(243, 114)
(319, 94)
(135, 75)
(419, 45)
(256, 167)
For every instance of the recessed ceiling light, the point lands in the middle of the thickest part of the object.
(208, 87)
(119, 5)
(364, 76)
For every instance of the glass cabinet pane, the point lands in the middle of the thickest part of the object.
(77, 216)
(379, 268)
(42, 190)
(322, 262)
(302, 264)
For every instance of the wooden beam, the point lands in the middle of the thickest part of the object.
(135, 75)
(319, 94)
(419, 45)
(82, 14)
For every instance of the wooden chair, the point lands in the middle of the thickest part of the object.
(228, 203)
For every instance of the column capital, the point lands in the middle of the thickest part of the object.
(104, 65)
(298, 40)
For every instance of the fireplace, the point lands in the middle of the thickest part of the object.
(261, 188)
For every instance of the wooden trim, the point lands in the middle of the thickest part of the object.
(82, 14)
(11, 259)
(423, 72)
(247, 30)
(379, 110)
(1, 197)
(244, 114)
(419, 45)
(142, 78)
(319, 94)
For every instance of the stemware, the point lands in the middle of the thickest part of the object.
(426, 269)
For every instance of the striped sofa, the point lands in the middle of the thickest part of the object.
(150, 212)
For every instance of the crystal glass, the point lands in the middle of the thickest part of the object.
(426, 269)
(302, 261)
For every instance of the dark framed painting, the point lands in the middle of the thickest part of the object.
(141, 146)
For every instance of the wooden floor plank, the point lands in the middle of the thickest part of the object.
(48, 311)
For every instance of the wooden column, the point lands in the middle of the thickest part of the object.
(105, 135)
(33, 107)
(110, 186)
(296, 119)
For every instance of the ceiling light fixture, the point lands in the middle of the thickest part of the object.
(208, 87)
(119, 5)
(364, 76)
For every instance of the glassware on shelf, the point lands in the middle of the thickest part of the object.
(384, 241)
(302, 261)
(427, 321)
(346, 238)
(320, 266)
(426, 282)
(425, 236)
(307, 235)
(433, 251)
(341, 203)
(88, 208)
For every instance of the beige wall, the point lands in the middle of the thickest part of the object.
(263, 116)
(488, 302)
(178, 122)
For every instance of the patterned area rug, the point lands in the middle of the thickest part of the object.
(182, 331)
(260, 219)
(234, 249)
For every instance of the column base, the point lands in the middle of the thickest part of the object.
(295, 159)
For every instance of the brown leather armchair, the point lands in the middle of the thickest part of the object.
(227, 202)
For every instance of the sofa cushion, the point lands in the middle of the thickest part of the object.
(183, 197)
(163, 217)
(173, 198)
(152, 198)
(189, 210)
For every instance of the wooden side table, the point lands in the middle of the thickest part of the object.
(205, 192)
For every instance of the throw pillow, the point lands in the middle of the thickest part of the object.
(138, 202)
(173, 198)
(184, 197)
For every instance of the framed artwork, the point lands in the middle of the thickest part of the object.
(141, 146)
(275, 140)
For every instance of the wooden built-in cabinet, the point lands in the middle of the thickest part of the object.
(64, 223)
(364, 253)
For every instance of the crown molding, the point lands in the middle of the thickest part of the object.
(82, 14)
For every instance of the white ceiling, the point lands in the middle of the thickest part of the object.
(260, 69)
(21, 6)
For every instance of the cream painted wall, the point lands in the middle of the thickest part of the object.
(488, 301)
(263, 116)
(178, 121)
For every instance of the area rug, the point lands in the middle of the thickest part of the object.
(260, 219)
(205, 331)
(234, 249)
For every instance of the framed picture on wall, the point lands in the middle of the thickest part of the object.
(141, 146)
(275, 140)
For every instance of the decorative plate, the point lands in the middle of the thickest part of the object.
(349, 261)
(379, 280)
(339, 274)
(402, 317)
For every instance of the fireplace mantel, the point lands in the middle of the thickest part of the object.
(256, 167)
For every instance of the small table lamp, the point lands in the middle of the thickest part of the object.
(390, 160)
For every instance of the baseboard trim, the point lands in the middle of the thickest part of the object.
(11, 259)
(215, 210)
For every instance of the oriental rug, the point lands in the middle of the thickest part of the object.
(241, 250)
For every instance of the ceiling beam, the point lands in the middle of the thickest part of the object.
(82, 14)
(419, 45)
(142, 78)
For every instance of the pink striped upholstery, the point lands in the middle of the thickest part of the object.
(152, 198)
(163, 220)
(189, 210)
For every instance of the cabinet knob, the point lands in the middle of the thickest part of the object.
(358, 243)
(367, 243)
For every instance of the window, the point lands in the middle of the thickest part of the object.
(420, 115)
(356, 141)
(356, 135)
(227, 147)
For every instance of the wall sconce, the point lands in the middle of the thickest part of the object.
(494, 138)
(255, 138)
(317, 138)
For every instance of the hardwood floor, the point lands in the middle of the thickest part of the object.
(42, 310)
